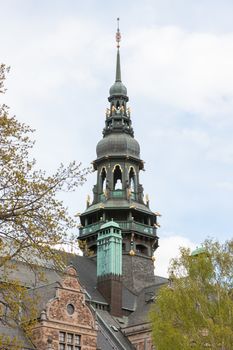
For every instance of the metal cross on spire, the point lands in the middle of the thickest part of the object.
(118, 34)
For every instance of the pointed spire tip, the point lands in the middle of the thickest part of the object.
(118, 65)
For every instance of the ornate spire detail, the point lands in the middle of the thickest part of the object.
(118, 115)
(118, 89)
(118, 166)
(118, 34)
(118, 64)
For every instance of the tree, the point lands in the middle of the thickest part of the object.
(195, 311)
(32, 220)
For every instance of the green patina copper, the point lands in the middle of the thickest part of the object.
(109, 250)
(110, 224)
(198, 251)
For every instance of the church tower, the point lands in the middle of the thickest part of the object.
(118, 195)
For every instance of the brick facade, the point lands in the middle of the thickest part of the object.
(76, 320)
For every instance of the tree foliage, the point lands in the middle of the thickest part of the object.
(31, 216)
(32, 220)
(195, 311)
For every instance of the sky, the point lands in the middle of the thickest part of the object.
(177, 64)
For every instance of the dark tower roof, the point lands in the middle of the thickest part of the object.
(118, 194)
(118, 144)
(118, 88)
(118, 136)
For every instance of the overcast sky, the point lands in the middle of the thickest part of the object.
(177, 64)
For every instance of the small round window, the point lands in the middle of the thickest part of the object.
(70, 309)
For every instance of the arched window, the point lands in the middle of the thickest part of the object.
(103, 179)
(132, 181)
(141, 249)
(117, 178)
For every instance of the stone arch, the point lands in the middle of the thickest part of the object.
(103, 179)
(117, 177)
(117, 165)
(132, 179)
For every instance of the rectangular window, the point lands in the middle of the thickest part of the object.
(62, 337)
(70, 338)
(77, 339)
(69, 341)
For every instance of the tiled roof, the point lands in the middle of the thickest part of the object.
(144, 301)
(110, 335)
(110, 329)
(16, 332)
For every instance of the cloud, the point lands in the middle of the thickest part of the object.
(168, 249)
(56, 57)
(221, 150)
(225, 185)
(181, 87)
(189, 71)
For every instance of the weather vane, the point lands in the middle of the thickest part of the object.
(118, 34)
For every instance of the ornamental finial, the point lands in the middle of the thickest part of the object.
(118, 65)
(118, 34)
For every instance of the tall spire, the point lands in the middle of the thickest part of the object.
(118, 89)
(118, 101)
(118, 64)
(118, 195)
(118, 67)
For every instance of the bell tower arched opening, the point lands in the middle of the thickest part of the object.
(103, 176)
(132, 180)
(117, 178)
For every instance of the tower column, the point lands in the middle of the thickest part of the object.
(109, 266)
